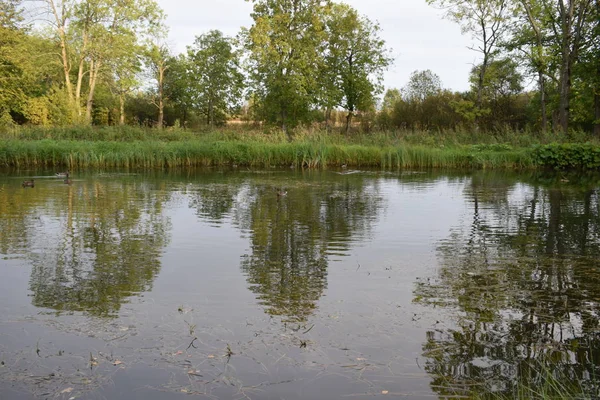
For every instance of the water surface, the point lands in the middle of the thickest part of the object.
(354, 284)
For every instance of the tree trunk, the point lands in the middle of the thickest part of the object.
(597, 88)
(349, 121)
(122, 108)
(542, 82)
(597, 113)
(597, 91)
(565, 90)
(66, 66)
(161, 103)
(480, 85)
(161, 113)
(80, 75)
(327, 119)
(60, 24)
(94, 67)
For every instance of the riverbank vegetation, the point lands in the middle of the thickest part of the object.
(299, 65)
(129, 147)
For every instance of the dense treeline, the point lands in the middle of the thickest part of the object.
(301, 63)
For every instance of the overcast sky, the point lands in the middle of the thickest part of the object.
(418, 35)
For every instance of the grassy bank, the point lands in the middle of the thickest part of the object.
(139, 148)
(154, 154)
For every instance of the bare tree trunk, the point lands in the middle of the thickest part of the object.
(122, 108)
(60, 25)
(94, 68)
(80, 75)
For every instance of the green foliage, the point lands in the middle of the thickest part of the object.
(213, 81)
(6, 120)
(283, 54)
(36, 111)
(568, 156)
(355, 58)
(421, 85)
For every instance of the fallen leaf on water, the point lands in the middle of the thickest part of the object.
(384, 391)
(67, 390)
(117, 362)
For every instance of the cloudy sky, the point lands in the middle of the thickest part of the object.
(418, 35)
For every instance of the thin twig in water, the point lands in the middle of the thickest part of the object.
(192, 343)
(308, 330)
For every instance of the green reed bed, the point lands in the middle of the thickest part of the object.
(186, 153)
(130, 147)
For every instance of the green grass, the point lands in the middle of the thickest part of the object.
(187, 153)
(128, 147)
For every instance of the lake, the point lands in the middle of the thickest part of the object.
(216, 284)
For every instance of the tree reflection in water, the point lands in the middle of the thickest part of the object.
(91, 245)
(525, 279)
(293, 237)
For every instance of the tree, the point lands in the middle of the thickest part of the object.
(421, 85)
(570, 28)
(216, 83)
(501, 86)
(283, 56)
(357, 57)
(390, 98)
(93, 34)
(125, 78)
(10, 36)
(158, 57)
(486, 21)
(530, 38)
(178, 87)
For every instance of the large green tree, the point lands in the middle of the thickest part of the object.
(283, 47)
(92, 36)
(216, 82)
(355, 59)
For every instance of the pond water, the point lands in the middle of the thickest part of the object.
(353, 284)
